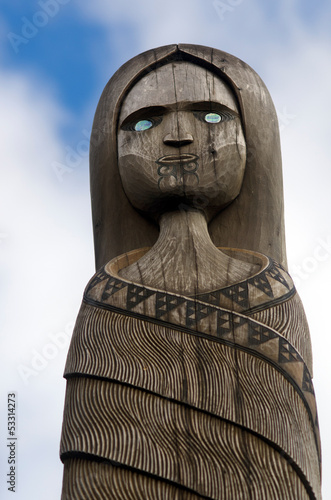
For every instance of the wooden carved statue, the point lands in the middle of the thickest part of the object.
(189, 371)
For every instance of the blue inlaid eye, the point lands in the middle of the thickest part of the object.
(143, 125)
(213, 118)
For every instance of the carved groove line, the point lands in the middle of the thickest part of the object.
(170, 441)
(167, 375)
(102, 481)
(289, 318)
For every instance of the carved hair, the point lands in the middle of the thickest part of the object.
(253, 221)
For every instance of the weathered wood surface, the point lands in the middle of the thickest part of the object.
(189, 372)
(189, 264)
(199, 452)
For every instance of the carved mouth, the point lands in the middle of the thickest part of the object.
(183, 158)
(177, 169)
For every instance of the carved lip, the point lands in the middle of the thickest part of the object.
(183, 158)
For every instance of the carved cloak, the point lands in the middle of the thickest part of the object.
(203, 397)
(170, 396)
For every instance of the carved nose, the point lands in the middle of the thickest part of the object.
(170, 140)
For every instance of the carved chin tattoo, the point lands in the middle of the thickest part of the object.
(178, 170)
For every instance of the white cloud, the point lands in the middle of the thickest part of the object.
(46, 258)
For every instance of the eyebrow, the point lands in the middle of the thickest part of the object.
(147, 112)
(150, 111)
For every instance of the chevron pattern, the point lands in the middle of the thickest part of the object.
(208, 317)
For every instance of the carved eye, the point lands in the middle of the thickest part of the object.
(143, 125)
(222, 116)
(213, 118)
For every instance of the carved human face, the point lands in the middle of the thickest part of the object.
(180, 141)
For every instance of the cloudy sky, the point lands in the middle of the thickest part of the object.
(55, 58)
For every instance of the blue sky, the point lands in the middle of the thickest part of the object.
(50, 87)
(71, 49)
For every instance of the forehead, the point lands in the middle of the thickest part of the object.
(178, 82)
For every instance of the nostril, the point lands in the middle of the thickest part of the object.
(181, 141)
(175, 143)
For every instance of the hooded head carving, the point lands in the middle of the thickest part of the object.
(247, 214)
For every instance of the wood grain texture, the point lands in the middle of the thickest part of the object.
(167, 440)
(86, 480)
(190, 264)
(215, 378)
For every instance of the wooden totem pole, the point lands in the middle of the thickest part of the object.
(189, 371)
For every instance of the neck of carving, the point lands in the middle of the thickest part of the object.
(184, 259)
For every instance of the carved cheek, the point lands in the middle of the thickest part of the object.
(137, 167)
(223, 163)
(146, 145)
(230, 133)
(223, 145)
